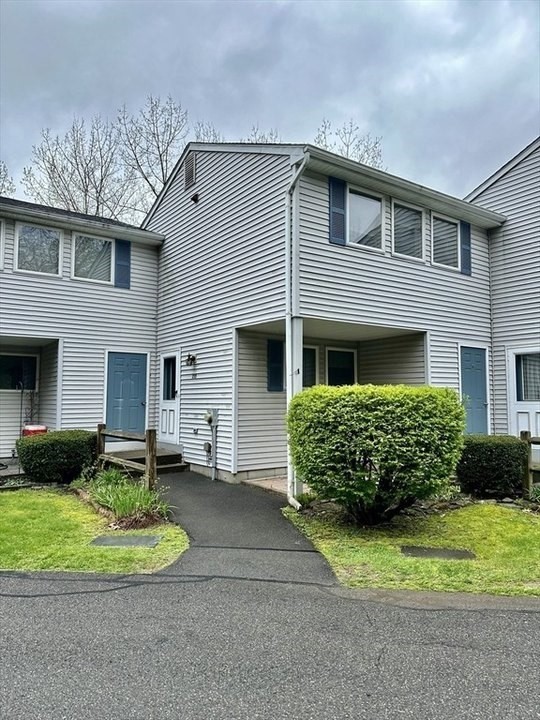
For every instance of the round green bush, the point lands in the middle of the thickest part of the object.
(376, 449)
(492, 465)
(58, 456)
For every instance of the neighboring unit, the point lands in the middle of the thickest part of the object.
(515, 298)
(77, 321)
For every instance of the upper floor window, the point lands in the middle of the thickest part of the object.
(407, 227)
(365, 220)
(18, 372)
(38, 249)
(445, 242)
(92, 258)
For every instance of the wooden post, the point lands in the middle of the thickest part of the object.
(150, 459)
(100, 439)
(525, 435)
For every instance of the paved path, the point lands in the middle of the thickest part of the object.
(237, 531)
(250, 625)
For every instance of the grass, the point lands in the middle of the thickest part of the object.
(52, 530)
(506, 543)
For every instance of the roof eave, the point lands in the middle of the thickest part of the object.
(405, 190)
(94, 227)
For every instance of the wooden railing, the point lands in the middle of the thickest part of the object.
(148, 469)
(526, 436)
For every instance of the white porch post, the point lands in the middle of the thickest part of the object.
(293, 351)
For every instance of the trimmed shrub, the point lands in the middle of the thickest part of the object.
(492, 465)
(376, 449)
(58, 456)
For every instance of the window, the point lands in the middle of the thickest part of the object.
(274, 365)
(38, 249)
(528, 377)
(365, 220)
(340, 367)
(309, 366)
(92, 258)
(18, 372)
(445, 242)
(169, 378)
(408, 236)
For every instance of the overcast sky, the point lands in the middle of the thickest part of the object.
(451, 86)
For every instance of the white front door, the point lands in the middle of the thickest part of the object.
(169, 404)
(524, 392)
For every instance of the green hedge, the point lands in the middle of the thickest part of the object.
(375, 449)
(56, 456)
(492, 465)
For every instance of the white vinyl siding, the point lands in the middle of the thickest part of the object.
(515, 270)
(48, 385)
(222, 266)
(89, 317)
(393, 360)
(391, 291)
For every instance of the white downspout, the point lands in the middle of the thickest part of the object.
(290, 258)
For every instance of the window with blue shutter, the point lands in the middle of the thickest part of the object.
(122, 264)
(465, 249)
(338, 197)
(274, 365)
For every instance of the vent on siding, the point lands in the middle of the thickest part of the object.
(189, 171)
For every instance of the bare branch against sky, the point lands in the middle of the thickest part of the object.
(450, 85)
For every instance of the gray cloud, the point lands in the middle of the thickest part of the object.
(451, 86)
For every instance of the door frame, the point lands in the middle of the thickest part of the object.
(178, 354)
(487, 351)
(511, 389)
(129, 351)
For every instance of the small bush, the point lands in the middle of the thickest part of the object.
(127, 498)
(58, 456)
(376, 449)
(492, 465)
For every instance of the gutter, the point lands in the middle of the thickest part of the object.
(291, 260)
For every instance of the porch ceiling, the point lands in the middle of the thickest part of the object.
(331, 330)
(11, 341)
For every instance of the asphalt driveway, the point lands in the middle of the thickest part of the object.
(249, 625)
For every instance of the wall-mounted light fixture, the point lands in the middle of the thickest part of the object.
(195, 198)
(191, 359)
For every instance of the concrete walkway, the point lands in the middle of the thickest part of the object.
(237, 531)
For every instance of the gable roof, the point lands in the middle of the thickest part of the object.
(67, 219)
(498, 174)
(328, 163)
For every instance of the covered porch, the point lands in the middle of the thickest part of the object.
(270, 371)
(29, 387)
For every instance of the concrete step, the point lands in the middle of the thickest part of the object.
(172, 468)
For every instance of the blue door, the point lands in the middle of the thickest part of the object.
(126, 392)
(474, 388)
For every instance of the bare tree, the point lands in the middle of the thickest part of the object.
(206, 132)
(82, 171)
(349, 142)
(152, 141)
(259, 136)
(7, 186)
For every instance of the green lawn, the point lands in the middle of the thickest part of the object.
(505, 541)
(48, 530)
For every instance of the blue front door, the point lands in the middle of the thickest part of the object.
(474, 388)
(126, 392)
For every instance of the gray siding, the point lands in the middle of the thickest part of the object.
(221, 266)
(393, 360)
(48, 385)
(89, 317)
(363, 286)
(515, 269)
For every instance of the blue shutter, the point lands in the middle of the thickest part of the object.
(337, 190)
(274, 365)
(122, 264)
(465, 241)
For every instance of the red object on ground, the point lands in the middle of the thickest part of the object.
(34, 430)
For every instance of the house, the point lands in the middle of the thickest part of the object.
(286, 265)
(514, 190)
(77, 321)
(259, 271)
